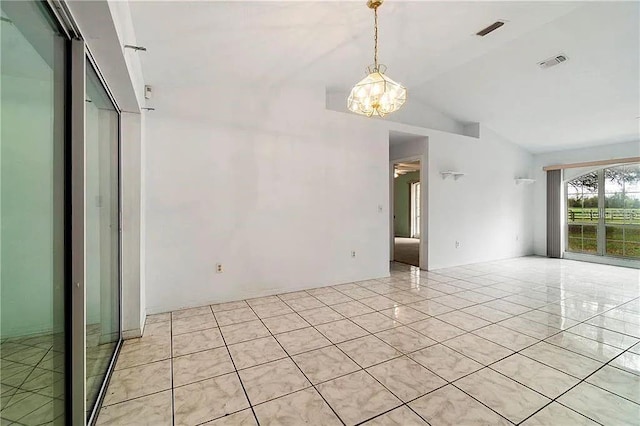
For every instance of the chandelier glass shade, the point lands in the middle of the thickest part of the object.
(376, 94)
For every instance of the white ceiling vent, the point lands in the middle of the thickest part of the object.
(551, 62)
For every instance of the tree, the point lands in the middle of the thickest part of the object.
(619, 175)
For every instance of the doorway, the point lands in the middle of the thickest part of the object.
(406, 212)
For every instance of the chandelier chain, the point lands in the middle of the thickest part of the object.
(376, 94)
(375, 38)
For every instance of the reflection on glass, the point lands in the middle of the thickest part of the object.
(102, 234)
(622, 210)
(582, 214)
(32, 276)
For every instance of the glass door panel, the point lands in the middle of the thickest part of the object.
(622, 210)
(102, 235)
(32, 215)
(583, 214)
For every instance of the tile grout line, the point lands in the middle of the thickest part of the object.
(580, 381)
(514, 352)
(447, 382)
(246, 395)
(402, 354)
(563, 393)
(298, 367)
(572, 387)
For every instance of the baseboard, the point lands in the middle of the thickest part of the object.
(133, 334)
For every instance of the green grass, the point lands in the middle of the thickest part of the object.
(620, 240)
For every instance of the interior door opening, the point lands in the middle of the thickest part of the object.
(406, 212)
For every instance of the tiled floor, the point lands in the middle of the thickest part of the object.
(529, 341)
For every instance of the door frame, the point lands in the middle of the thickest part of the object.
(80, 58)
(423, 260)
(413, 217)
(77, 308)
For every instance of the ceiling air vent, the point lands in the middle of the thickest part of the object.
(490, 28)
(551, 62)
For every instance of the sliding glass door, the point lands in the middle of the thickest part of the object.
(33, 207)
(59, 222)
(603, 212)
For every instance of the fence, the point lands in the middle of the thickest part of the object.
(610, 215)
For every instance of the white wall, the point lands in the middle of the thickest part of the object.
(603, 152)
(266, 182)
(485, 210)
(280, 190)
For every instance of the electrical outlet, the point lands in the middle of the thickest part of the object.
(353, 253)
(457, 244)
(219, 268)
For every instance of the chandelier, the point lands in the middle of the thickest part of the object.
(376, 94)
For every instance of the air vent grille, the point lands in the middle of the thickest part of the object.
(551, 62)
(490, 28)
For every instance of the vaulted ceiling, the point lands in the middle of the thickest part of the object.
(431, 47)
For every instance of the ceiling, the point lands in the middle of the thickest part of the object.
(431, 47)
